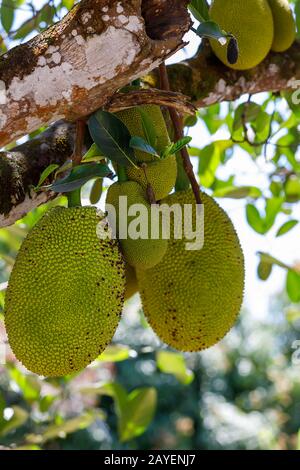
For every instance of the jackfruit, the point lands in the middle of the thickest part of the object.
(131, 282)
(251, 23)
(192, 298)
(133, 120)
(160, 173)
(144, 252)
(284, 25)
(65, 293)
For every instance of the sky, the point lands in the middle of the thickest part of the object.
(257, 293)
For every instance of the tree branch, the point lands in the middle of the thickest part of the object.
(75, 66)
(20, 170)
(207, 81)
(203, 78)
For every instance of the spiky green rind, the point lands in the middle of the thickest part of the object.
(65, 293)
(192, 298)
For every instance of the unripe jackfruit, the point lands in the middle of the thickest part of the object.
(65, 293)
(161, 174)
(193, 298)
(132, 118)
(131, 282)
(251, 22)
(284, 25)
(142, 253)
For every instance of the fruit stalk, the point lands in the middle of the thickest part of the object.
(178, 130)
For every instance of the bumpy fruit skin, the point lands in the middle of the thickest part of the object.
(284, 25)
(139, 253)
(65, 293)
(131, 282)
(161, 174)
(251, 22)
(192, 298)
(132, 118)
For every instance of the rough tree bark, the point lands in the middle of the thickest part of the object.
(20, 170)
(161, 26)
(74, 67)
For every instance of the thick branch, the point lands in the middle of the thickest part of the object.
(74, 67)
(207, 81)
(20, 170)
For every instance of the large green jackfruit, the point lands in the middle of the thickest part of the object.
(251, 22)
(159, 173)
(142, 253)
(284, 25)
(192, 298)
(65, 293)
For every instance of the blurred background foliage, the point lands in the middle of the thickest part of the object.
(242, 394)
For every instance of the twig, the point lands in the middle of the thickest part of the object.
(178, 129)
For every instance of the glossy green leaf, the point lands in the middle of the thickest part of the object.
(47, 172)
(137, 413)
(199, 9)
(293, 285)
(174, 363)
(19, 417)
(137, 143)
(115, 353)
(285, 228)
(80, 175)
(112, 138)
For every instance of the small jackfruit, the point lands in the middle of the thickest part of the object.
(65, 293)
(131, 282)
(161, 174)
(284, 25)
(192, 298)
(146, 251)
(132, 118)
(251, 23)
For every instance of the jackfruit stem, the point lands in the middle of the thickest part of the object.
(122, 175)
(74, 198)
(178, 130)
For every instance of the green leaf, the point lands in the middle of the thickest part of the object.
(174, 363)
(47, 172)
(115, 353)
(70, 426)
(210, 29)
(234, 192)
(112, 138)
(176, 147)
(285, 228)
(28, 384)
(293, 285)
(80, 175)
(7, 14)
(254, 219)
(264, 270)
(137, 413)
(138, 143)
(96, 191)
(19, 417)
(199, 10)
(92, 154)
